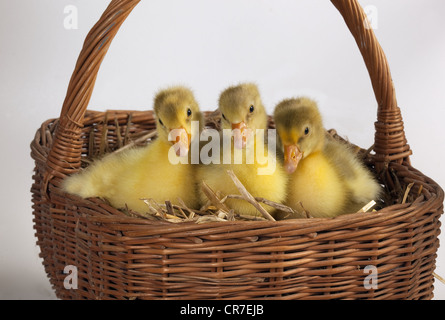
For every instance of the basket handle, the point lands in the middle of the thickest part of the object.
(390, 143)
(64, 158)
(65, 154)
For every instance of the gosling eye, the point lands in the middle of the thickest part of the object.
(306, 131)
(251, 108)
(189, 112)
(160, 121)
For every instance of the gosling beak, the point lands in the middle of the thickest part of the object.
(240, 133)
(180, 139)
(292, 155)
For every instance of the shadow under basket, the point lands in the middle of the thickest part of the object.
(91, 250)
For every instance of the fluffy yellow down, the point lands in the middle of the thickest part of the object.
(126, 178)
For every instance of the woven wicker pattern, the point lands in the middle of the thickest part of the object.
(122, 257)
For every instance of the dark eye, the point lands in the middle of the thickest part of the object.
(160, 121)
(251, 108)
(306, 131)
(189, 112)
(224, 116)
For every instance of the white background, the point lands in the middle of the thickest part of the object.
(288, 47)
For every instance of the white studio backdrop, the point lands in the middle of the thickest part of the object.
(288, 48)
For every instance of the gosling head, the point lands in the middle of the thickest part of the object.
(300, 128)
(175, 109)
(242, 111)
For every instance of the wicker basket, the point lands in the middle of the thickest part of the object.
(122, 257)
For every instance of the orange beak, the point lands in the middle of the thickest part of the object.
(181, 142)
(292, 156)
(239, 134)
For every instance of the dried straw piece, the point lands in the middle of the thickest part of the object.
(184, 206)
(204, 219)
(408, 189)
(273, 204)
(211, 195)
(231, 215)
(439, 277)
(182, 212)
(154, 207)
(249, 198)
(368, 206)
(306, 213)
